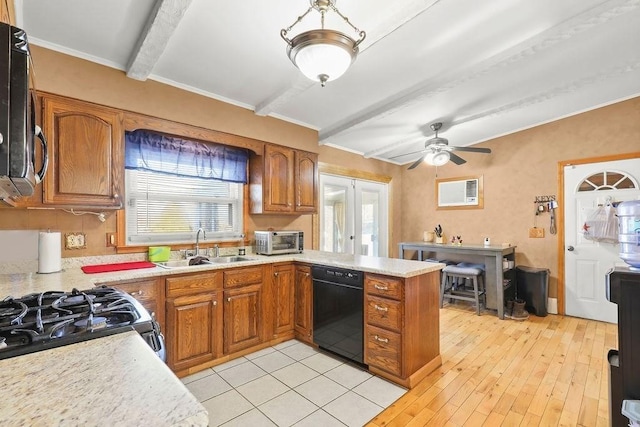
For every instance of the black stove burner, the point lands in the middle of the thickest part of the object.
(49, 319)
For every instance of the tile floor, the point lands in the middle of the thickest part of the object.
(290, 384)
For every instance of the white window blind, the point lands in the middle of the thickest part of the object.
(163, 208)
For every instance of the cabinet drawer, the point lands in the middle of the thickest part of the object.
(382, 350)
(389, 287)
(192, 284)
(384, 312)
(242, 276)
(144, 291)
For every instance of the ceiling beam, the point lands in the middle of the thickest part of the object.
(395, 20)
(160, 26)
(598, 15)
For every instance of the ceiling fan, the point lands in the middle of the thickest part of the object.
(437, 150)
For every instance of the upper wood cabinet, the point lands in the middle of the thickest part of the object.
(86, 154)
(306, 181)
(283, 180)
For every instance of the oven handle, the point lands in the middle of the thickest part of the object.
(342, 285)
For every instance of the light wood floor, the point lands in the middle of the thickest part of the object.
(544, 371)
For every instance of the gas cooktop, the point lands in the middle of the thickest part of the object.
(45, 320)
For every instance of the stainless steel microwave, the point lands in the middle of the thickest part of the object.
(279, 242)
(17, 117)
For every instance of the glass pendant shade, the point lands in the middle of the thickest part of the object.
(322, 55)
(437, 159)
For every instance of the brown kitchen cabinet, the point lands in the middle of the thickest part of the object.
(148, 292)
(194, 319)
(86, 154)
(243, 308)
(284, 276)
(402, 335)
(303, 312)
(283, 180)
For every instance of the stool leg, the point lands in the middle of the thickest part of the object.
(443, 286)
(475, 293)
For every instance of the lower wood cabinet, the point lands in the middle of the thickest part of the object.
(244, 310)
(194, 334)
(283, 298)
(194, 319)
(401, 331)
(303, 295)
(148, 292)
(242, 317)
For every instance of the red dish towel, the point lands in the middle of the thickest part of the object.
(102, 268)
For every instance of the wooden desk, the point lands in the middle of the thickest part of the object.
(490, 256)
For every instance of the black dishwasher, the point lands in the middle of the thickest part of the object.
(338, 320)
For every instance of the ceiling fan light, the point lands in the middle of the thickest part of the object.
(322, 55)
(437, 159)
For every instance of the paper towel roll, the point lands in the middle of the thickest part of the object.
(49, 252)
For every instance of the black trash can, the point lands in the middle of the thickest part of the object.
(533, 287)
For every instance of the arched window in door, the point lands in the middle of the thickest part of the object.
(608, 180)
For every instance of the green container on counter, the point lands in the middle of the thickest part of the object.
(159, 253)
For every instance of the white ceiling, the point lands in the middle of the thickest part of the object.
(484, 69)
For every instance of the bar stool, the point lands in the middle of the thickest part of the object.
(453, 286)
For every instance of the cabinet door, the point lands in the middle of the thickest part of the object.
(194, 328)
(85, 154)
(283, 295)
(242, 318)
(303, 303)
(278, 179)
(306, 178)
(148, 292)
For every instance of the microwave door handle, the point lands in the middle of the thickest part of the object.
(45, 155)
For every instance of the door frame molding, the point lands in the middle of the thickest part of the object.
(352, 174)
(560, 213)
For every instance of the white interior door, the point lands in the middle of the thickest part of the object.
(586, 262)
(353, 216)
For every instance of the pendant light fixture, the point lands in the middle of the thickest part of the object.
(322, 55)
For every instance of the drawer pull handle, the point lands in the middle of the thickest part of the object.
(379, 308)
(140, 293)
(381, 288)
(380, 339)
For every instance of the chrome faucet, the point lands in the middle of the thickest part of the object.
(204, 237)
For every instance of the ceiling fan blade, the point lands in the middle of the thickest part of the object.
(471, 149)
(417, 162)
(407, 154)
(456, 159)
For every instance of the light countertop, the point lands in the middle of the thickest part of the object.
(114, 380)
(19, 284)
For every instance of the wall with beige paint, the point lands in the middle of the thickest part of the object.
(69, 76)
(521, 166)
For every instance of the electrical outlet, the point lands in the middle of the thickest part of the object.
(111, 240)
(536, 233)
(75, 241)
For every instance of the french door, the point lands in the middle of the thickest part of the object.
(353, 216)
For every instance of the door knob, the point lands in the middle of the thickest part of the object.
(570, 248)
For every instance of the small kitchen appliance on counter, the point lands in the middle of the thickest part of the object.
(279, 242)
(46, 320)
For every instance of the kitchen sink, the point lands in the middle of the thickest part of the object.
(202, 261)
(228, 259)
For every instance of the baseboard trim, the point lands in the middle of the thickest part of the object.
(552, 305)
